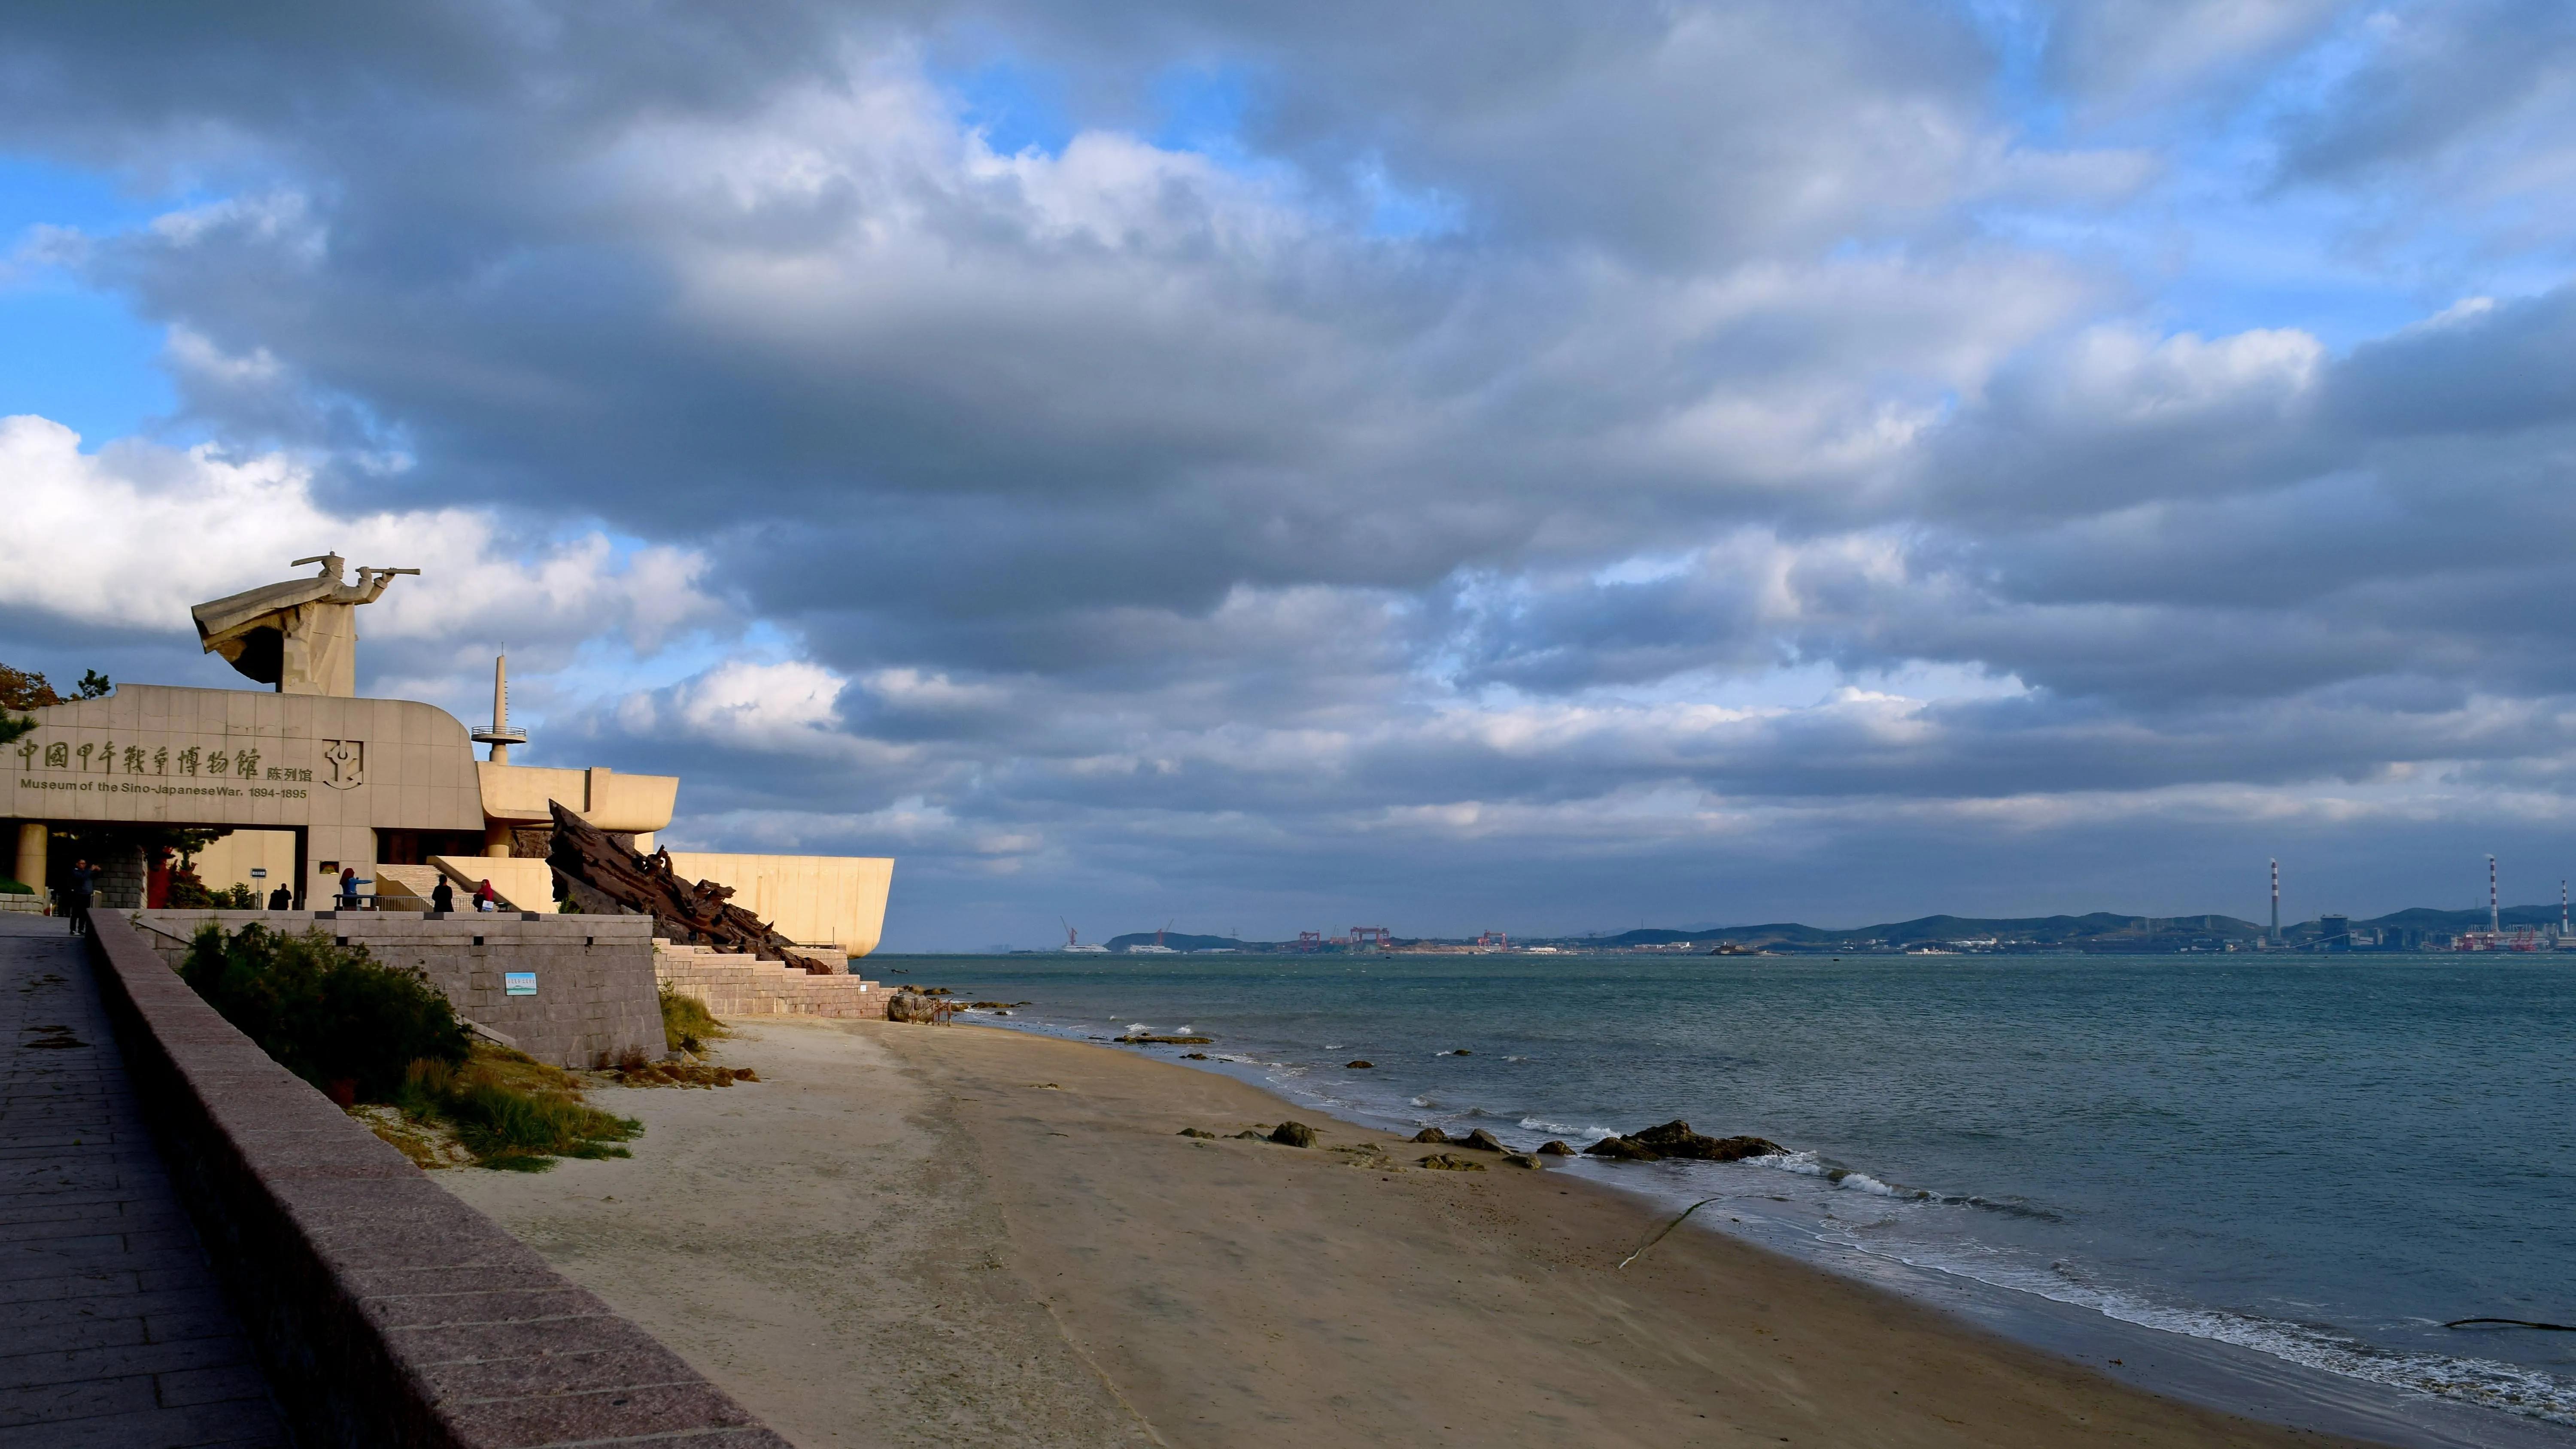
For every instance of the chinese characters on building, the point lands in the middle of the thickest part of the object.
(104, 758)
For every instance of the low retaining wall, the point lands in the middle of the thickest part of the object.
(386, 1312)
(594, 998)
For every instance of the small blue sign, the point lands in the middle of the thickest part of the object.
(518, 983)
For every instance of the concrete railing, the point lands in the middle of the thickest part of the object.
(385, 1311)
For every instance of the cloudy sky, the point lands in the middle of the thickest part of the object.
(1449, 465)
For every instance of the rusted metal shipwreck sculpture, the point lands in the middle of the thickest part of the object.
(604, 877)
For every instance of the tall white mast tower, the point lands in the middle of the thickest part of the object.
(2276, 903)
(499, 735)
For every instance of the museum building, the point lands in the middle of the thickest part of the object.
(305, 779)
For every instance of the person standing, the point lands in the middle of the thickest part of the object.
(84, 885)
(280, 898)
(349, 884)
(442, 898)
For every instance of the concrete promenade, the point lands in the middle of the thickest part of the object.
(112, 1330)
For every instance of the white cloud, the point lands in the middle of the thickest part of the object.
(131, 536)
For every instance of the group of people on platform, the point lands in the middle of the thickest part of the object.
(442, 897)
(80, 890)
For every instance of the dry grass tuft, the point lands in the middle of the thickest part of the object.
(504, 1110)
(686, 1023)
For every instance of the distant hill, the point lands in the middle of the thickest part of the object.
(1180, 941)
(2098, 924)
(2093, 931)
(2422, 918)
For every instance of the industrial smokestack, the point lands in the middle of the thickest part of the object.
(2495, 920)
(2276, 903)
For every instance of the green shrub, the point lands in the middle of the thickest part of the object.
(326, 1012)
(511, 1112)
(15, 888)
(686, 1022)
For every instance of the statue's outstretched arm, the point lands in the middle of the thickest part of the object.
(372, 583)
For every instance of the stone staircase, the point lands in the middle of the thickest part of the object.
(735, 985)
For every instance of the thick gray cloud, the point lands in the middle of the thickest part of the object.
(1427, 458)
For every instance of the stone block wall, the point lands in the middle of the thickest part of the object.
(595, 997)
(736, 986)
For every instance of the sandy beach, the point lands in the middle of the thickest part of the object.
(926, 1236)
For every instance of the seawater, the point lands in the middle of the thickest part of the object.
(2285, 1172)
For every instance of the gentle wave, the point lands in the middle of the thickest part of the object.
(2484, 1382)
(2509, 1387)
(1808, 1164)
(1566, 1131)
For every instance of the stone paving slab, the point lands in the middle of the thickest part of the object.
(114, 1333)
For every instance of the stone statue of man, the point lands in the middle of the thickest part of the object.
(301, 635)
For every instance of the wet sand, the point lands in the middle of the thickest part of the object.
(928, 1236)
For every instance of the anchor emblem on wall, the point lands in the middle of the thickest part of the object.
(347, 762)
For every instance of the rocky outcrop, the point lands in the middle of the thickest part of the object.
(1196, 1132)
(909, 1005)
(1676, 1139)
(1483, 1141)
(1554, 1148)
(1432, 1134)
(1293, 1134)
(1359, 1066)
(1451, 1162)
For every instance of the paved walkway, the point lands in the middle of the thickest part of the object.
(112, 1332)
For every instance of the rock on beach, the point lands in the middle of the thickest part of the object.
(1676, 1139)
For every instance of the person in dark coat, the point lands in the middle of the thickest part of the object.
(83, 885)
(281, 899)
(442, 897)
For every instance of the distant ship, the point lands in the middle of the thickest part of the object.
(1073, 941)
(1086, 950)
(1142, 948)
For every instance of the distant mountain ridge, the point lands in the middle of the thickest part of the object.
(2068, 928)
(2094, 926)
(1182, 941)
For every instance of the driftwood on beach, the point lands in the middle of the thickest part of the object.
(600, 875)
